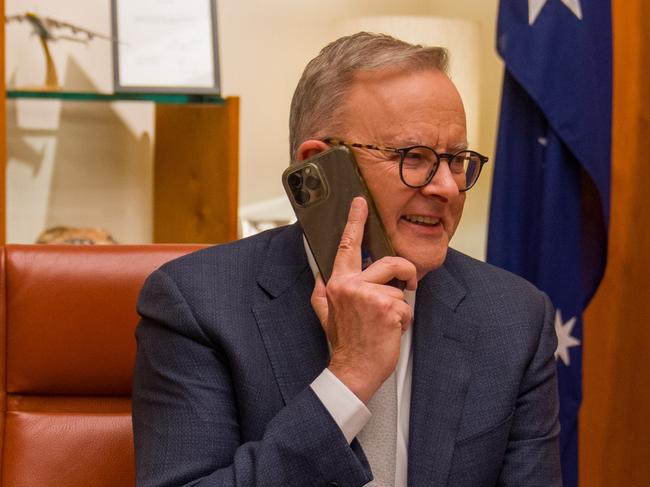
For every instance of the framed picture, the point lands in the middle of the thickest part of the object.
(165, 46)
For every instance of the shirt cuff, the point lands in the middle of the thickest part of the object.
(348, 411)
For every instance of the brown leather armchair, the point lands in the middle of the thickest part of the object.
(67, 350)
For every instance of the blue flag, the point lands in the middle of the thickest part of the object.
(550, 196)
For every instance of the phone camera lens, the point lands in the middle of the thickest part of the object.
(302, 197)
(295, 180)
(312, 182)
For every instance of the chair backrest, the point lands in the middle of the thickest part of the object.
(67, 349)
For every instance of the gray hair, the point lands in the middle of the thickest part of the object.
(327, 78)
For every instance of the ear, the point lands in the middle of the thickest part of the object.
(310, 148)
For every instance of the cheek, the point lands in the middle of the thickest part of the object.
(377, 173)
(388, 213)
(385, 209)
(387, 192)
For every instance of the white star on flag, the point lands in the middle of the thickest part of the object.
(536, 6)
(564, 339)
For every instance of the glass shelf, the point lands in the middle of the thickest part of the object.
(171, 98)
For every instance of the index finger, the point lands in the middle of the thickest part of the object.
(348, 256)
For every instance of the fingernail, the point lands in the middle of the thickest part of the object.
(357, 203)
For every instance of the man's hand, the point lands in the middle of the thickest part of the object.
(362, 316)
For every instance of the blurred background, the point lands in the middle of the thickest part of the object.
(87, 165)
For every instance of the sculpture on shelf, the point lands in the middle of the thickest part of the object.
(72, 235)
(47, 29)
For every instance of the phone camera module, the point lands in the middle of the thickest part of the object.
(302, 197)
(306, 185)
(295, 180)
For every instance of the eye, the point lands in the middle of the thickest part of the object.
(391, 155)
(414, 156)
(419, 156)
(464, 162)
(457, 164)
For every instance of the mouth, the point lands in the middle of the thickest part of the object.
(422, 220)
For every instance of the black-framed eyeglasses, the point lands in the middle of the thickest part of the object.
(419, 163)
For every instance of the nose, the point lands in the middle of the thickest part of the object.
(442, 185)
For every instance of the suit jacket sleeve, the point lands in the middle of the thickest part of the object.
(532, 455)
(185, 413)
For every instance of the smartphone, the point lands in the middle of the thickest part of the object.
(321, 190)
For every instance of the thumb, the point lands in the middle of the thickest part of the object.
(348, 256)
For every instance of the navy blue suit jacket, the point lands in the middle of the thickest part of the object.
(228, 344)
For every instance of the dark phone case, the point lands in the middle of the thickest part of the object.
(324, 221)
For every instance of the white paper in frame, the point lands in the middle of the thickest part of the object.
(165, 46)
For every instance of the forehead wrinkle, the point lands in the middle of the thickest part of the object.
(435, 141)
(432, 133)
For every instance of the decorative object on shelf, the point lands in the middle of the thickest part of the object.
(78, 236)
(48, 29)
(166, 46)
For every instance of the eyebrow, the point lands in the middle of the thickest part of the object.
(411, 142)
(458, 147)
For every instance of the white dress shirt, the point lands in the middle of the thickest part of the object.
(351, 414)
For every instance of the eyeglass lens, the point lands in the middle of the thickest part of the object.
(420, 163)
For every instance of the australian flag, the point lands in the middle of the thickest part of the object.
(550, 196)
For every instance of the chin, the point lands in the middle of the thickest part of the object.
(427, 267)
(426, 263)
(428, 257)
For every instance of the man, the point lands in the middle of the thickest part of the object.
(250, 372)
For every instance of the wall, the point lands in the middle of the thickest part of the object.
(84, 165)
(472, 235)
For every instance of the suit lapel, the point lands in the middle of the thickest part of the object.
(442, 346)
(293, 337)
